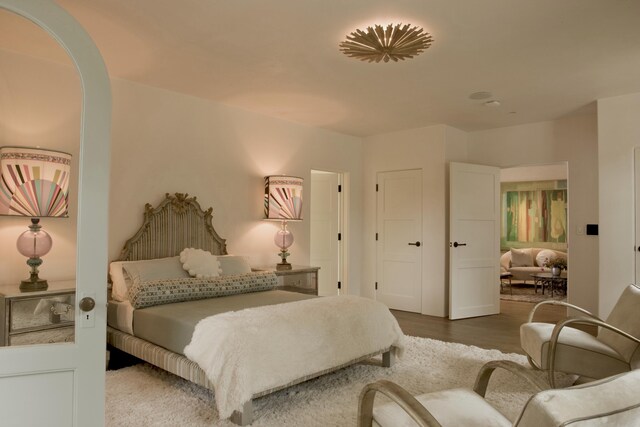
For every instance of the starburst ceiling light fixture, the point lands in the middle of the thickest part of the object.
(383, 44)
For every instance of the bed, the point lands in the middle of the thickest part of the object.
(158, 334)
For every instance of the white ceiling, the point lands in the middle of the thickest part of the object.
(542, 59)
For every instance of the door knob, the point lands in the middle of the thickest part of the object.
(415, 244)
(87, 304)
(456, 244)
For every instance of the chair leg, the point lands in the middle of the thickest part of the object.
(582, 380)
(245, 417)
(388, 359)
(482, 380)
(552, 378)
(420, 415)
(532, 363)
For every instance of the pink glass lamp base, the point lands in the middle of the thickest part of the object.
(283, 239)
(34, 243)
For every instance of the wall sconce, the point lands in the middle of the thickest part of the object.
(34, 183)
(283, 202)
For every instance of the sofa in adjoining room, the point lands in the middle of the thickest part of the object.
(522, 263)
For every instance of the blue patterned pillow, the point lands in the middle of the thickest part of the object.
(166, 291)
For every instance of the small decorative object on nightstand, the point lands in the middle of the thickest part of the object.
(37, 317)
(300, 278)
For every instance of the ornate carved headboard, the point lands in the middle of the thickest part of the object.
(177, 223)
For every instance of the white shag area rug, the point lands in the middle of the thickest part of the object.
(142, 395)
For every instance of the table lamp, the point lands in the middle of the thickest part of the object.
(34, 183)
(283, 202)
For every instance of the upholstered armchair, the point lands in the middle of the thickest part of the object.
(612, 401)
(561, 348)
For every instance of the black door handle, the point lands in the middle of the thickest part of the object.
(415, 244)
(456, 244)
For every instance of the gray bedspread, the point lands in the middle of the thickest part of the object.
(171, 325)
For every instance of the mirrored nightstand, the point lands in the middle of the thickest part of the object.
(38, 317)
(300, 278)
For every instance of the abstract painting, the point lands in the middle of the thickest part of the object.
(533, 212)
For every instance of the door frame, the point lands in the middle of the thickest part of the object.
(86, 357)
(579, 230)
(636, 193)
(343, 229)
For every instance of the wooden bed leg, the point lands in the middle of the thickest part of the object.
(388, 359)
(245, 417)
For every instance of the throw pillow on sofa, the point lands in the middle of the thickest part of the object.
(521, 258)
(545, 256)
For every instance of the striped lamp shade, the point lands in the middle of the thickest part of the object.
(34, 182)
(283, 197)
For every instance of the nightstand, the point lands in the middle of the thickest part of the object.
(300, 278)
(38, 317)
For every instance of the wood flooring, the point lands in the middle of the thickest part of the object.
(500, 331)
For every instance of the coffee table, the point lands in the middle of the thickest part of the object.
(557, 283)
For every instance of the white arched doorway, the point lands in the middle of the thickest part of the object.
(63, 384)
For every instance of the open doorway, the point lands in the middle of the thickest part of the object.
(328, 232)
(534, 237)
(62, 382)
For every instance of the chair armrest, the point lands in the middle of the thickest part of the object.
(397, 394)
(482, 380)
(562, 303)
(553, 341)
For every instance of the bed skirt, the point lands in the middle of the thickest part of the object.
(179, 365)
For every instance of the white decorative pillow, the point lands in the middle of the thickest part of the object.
(545, 256)
(199, 263)
(233, 264)
(521, 258)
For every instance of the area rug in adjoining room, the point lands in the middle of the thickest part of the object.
(141, 395)
(526, 293)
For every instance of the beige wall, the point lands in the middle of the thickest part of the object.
(168, 142)
(618, 135)
(424, 149)
(534, 173)
(40, 106)
(574, 140)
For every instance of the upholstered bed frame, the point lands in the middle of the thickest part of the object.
(176, 223)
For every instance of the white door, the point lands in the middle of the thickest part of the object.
(399, 235)
(474, 240)
(326, 238)
(636, 153)
(63, 384)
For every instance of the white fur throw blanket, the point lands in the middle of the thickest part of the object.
(257, 349)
